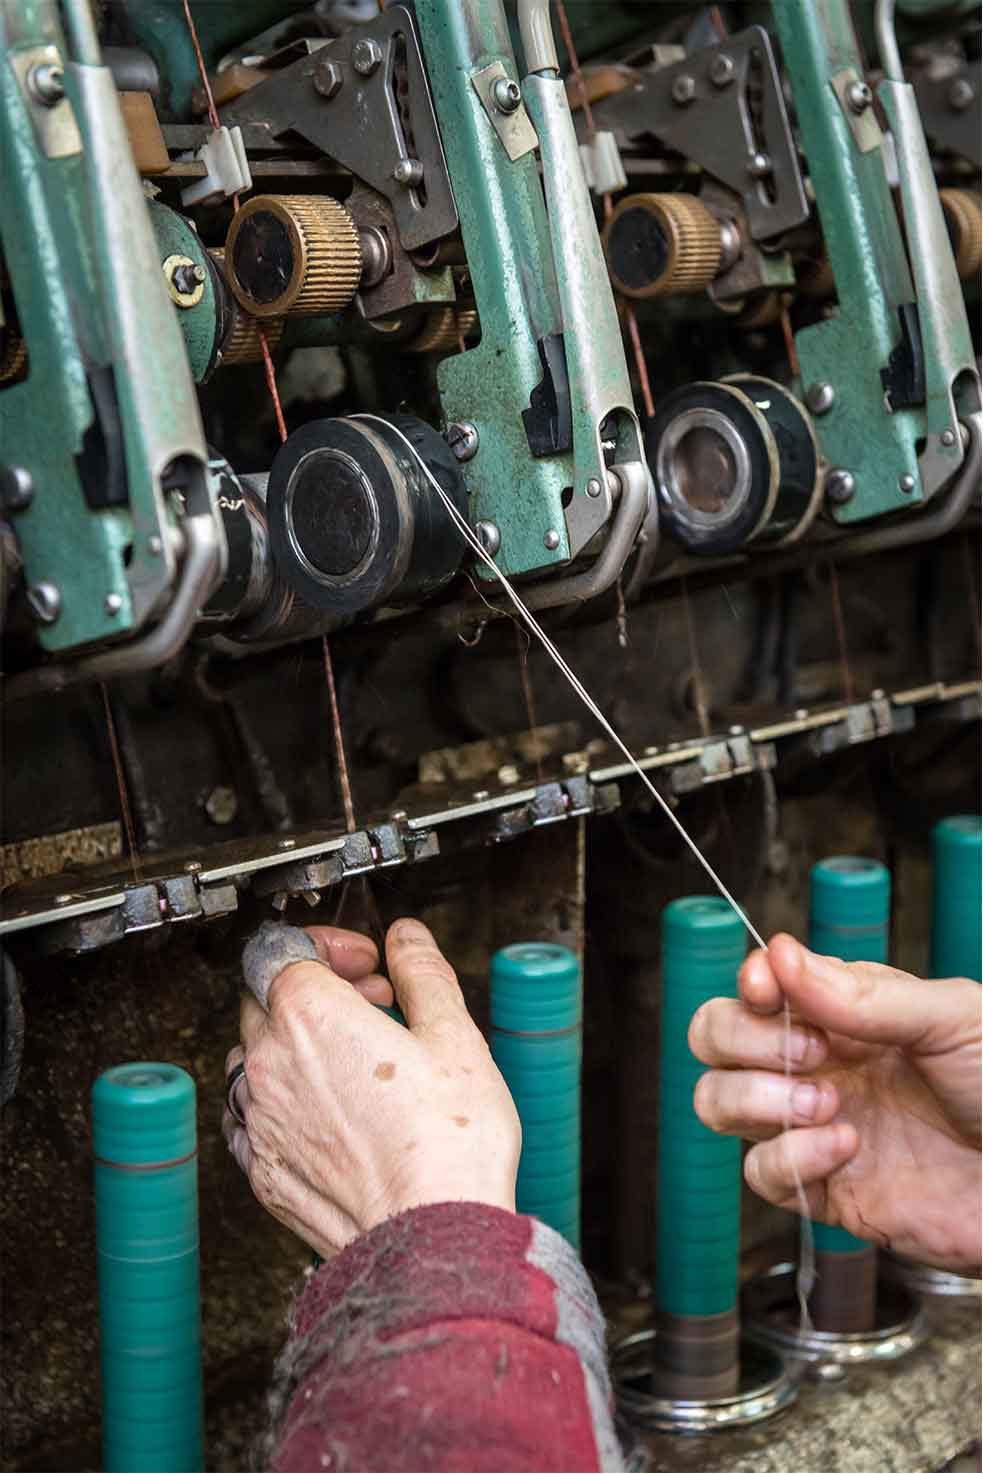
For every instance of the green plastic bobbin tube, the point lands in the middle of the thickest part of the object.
(956, 939)
(146, 1181)
(697, 1242)
(849, 917)
(537, 1043)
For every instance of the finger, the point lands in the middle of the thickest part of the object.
(757, 984)
(873, 1003)
(814, 1151)
(237, 1140)
(424, 982)
(234, 1057)
(376, 989)
(756, 1103)
(723, 1033)
(348, 953)
(253, 1022)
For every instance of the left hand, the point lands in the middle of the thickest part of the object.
(352, 1118)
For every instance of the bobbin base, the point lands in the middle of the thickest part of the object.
(770, 1315)
(765, 1389)
(925, 1279)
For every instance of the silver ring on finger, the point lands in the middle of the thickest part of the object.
(232, 1079)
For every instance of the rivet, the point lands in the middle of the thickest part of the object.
(113, 603)
(489, 536)
(593, 487)
(840, 485)
(820, 398)
(948, 437)
(683, 89)
(906, 482)
(552, 540)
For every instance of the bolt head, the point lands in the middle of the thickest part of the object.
(507, 95)
(722, 70)
(408, 172)
(366, 56)
(154, 544)
(286, 844)
(328, 78)
(759, 166)
(113, 603)
(462, 437)
(948, 437)
(46, 83)
(16, 488)
(840, 486)
(820, 398)
(551, 540)
(961, 94)
(683, 89)
(44, 601)
(859, 97)
(489, 536)
(593, 487)
(222, 805)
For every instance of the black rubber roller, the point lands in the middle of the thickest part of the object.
(354, 523)
(715, 466)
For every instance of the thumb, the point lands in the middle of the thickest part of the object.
(875, 1004)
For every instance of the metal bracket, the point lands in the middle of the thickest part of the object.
(513, 128)
(950, 108)
(371, 117)
(53, 122)
(863, 125)
(723, 108)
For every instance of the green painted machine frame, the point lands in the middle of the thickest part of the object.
(859, 432)
(90, 297)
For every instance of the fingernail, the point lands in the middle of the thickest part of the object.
(799, 1044)
(805, 1101)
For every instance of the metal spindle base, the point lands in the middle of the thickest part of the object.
(765, 1389)
(925, 1279)
(770, 1314)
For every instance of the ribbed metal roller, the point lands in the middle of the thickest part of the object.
(661, 244)
(293, 254)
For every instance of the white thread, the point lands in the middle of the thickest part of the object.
(805, 1273)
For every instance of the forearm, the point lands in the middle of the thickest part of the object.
(453, 1336)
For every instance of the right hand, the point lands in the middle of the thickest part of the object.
(884, 1095)
(352, 1118)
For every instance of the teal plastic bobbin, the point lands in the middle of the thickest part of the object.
(849, 917)
(956, 910)
(699, 1172)
(537, 1041)
(146, 1182)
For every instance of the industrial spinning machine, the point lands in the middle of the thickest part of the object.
(675, 306)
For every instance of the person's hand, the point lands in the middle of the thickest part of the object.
(350, 1117)
(885, 1096)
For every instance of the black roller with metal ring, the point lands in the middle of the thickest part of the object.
(800, 489)
(353, 521)
(715, 466)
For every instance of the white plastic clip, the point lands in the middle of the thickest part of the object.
(227, 169)
(602, 164)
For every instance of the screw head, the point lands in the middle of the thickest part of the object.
(948, 437)
(328, 78)
(506, 95)
(408, 172)
(840, 486)
(222, 805)
(154, 544)
(366, 56)
(44, 601)
(462, 437)
(859, 97)
(286, 844)
(906, 482)
(46, 83)
(489, 536)
(722, 70)
(113, 603)
(961, 94)
(759, 166)
(16, 488)
(593, 487)
(820, 398)
(551, 540)
(192, 867)
(683, 89)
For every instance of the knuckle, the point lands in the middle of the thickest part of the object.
(753, 1174)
